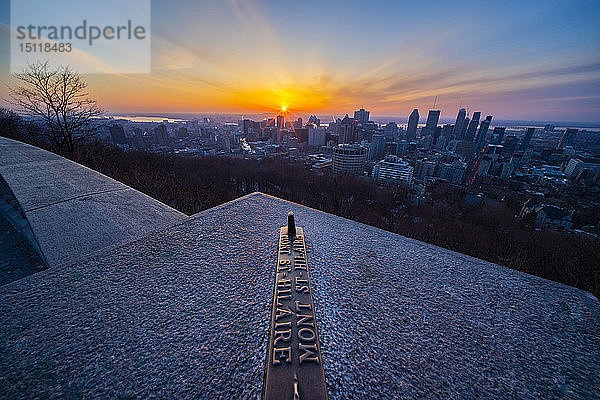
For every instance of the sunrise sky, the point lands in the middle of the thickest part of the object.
(513, 59)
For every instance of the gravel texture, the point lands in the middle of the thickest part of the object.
(184, 313)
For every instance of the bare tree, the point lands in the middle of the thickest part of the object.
(58, 96)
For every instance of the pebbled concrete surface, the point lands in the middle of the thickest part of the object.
(184, 313)
(74, 211)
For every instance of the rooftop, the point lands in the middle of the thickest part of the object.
(553, 212)
(72, 210)
(183, 311)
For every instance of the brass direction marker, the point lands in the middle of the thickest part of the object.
(294, 363)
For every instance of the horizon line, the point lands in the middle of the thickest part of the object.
(159, 114)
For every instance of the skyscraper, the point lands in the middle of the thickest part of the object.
(314, 120)
(316, 136)
(432, 120)
(567, 139)
(302, 135)
(377, 146)
(117, 133)
(527, 138)
(462, 133)
(138, 141)
(391, 131)
(347, 130)
(413, 121)
(437, 131)
(447, 130)
(472, 129)
(510, 145)
(361, 116)
(483, 129)
(498, 134)
(279, 126)
(160, 136)
(460, 121)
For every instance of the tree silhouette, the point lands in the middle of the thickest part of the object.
(58, 96)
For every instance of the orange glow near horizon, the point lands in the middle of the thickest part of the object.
(261, 98)
(167, 94)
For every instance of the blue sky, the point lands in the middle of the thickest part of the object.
(514, 60)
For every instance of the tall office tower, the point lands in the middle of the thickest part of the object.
(279, 126)
(413, 121)
(567, 139)
(437, 131)
(483, 129)
(527, 139)
(138, 142)
(347, 131)
(447, 130)
(316, 136)
(314, 120)
(298, 123)
(160, 136)
(117, 133)
(349, 158)
(301, 134)
(463, 131)
(361, 116)
(391, 131)
(432, 120)
(510, 145)
(377, 147)
(460, 121)
(498, 134)
(472, 129)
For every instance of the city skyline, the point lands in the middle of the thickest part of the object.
(515, 61)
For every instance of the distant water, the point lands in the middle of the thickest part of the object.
(559, 126)
(146, 119)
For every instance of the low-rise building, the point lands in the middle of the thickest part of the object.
(547, 216)
(453, 173)
(349, 158)
(393, 170)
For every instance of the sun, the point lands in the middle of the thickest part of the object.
(284, 108)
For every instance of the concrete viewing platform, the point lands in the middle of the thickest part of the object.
(184, 312)
(71, 210)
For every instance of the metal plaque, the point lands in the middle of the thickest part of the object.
(294, 364)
